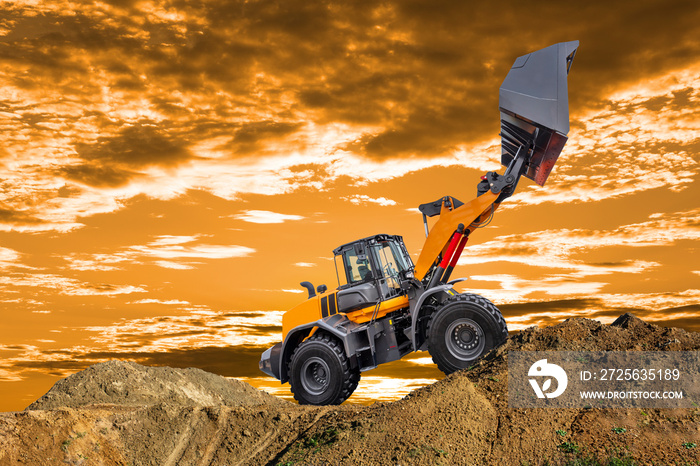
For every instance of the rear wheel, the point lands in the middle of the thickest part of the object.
(463, 329)
(320, 373)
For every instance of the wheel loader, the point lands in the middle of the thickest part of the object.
(385, 306)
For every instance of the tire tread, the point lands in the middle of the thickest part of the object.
(481, 302)
(351, 377)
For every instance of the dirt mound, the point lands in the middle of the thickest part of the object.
(626, 333)
(129, 384)
(462, 419)
(465, 418)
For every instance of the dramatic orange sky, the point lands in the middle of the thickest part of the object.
(171, 170)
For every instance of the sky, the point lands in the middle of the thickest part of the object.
(171, 170)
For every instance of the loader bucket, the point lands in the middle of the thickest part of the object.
(534, 105)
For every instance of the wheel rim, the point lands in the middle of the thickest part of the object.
(465, 339)
(315, 375)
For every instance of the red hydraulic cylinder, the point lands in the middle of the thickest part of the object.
(440, 270)
(455, 258)
(450, 250)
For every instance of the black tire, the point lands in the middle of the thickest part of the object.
(320, 373)
(462, 329)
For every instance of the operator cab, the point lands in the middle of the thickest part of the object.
(371, 270)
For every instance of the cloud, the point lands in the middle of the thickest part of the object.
(136, 145)
(252, 137)
(19, 218)
(305, 264)
(200, 328)
(170, 302)
(162, 99)
(643, 138)
(173, 265)
(173, 252)
(555, 249)
(363, 199)
(282, 290)
(8, 258)
(105, 102)
(203, 339)
(98, 176)
(65, 285)
(560, 262)
(512, 289)
(198, 251)
(263, 216)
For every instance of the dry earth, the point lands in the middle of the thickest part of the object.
(120, 413)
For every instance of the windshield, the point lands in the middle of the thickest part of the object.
(387, 260)
(391, 261)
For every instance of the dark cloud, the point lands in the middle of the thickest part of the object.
(137, 145)
(625, 263)
(404, 369)
(58, 367)
(97, 175)
(685, 99)
(426, 74)
(264, 330)
(556, 306)
(244, 314)
(239, 361)
(685, 317)
(15, 217)
(251, 137)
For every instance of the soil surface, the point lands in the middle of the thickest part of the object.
(122, 413)
(130, 384)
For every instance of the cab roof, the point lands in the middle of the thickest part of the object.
(369, 240)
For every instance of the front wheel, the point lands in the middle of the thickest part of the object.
(320, 373)
(463, 329)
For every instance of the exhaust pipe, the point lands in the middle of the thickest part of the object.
(310, 288)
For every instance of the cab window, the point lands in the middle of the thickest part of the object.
(357, 266)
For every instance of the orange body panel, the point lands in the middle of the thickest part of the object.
(308, 311)
(436, 243)
(311, 311)
(390, 305)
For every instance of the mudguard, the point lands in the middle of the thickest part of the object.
(417, 311)
(273, 360)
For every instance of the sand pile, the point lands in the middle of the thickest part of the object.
(129, 384)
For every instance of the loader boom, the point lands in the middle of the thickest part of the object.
(438, 240)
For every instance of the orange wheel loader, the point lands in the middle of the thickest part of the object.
(385, 307)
